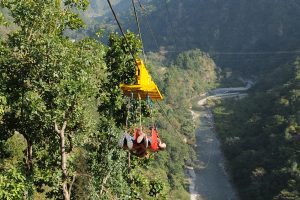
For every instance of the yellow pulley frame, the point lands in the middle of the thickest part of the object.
(144, 87)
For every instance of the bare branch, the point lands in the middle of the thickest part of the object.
(56, 128)
(109, 193)
(64, 126)
(71, 184)
(104, 182)
(74, 178)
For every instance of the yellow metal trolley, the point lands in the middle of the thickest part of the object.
(144, 87)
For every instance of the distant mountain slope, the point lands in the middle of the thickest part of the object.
(260, 136)
(98, 8)
(220, 25)
(228, 26)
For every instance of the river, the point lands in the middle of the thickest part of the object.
(209, 180)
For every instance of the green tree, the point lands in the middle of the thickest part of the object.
(49, 81)
(121, 69)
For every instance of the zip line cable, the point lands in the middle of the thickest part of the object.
(168, 119)
(143, 10)
(152, 33)
(140, 4)
(172, 28)
(255, 53)
(120, 27)
(213, 52)
(139, 30)
(246, 53)
(138, 26)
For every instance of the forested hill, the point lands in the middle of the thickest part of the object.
(260, 133)
(219, 26)
(261, 137)
(100, 8)
(63, 114)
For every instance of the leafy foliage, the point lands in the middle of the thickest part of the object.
(62, 112)
(260, 134)
(48, 79)
(12, 183)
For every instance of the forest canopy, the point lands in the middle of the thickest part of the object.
(62, 111)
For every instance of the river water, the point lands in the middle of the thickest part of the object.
(209, 180)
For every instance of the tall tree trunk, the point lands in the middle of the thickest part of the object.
(29, 156)
(63, 155)
(28, 163)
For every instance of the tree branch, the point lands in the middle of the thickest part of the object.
(104, 182)
(56, 128)
(71, 144)
(74, 178)
(71, 184)
(64, 125)
(62, 129)
(110, 194)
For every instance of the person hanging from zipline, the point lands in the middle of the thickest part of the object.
(144, 88)
(127, 141)
(154, 141)
(140, 143)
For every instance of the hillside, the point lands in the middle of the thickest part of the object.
(62, 112)
(260, 136)
(219, 26)
(100, 8)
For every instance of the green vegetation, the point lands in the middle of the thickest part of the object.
(179, 82)
(62, 111)
(259, 134)
(260, 137)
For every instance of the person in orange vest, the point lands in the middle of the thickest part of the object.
(154, 141)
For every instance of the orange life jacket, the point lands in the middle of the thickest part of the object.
(154, 138)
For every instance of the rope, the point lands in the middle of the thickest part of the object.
(254, 53)
(140, 4)
(127, 117)
(129, 162)
(168, 119)
(243, 53)
(150, 106)
(128, 113)
(140, 110)
(152, 118)
(168, 21)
